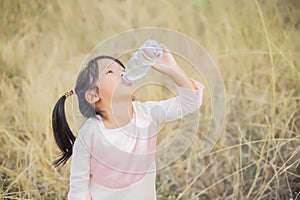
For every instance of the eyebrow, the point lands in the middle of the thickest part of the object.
(112, 66)
(111, 63)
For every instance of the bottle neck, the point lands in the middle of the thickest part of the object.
(124, 79)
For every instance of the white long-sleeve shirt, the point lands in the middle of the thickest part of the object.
(119, 163)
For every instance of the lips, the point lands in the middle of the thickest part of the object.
(127, 83)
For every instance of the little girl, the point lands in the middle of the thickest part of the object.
(114, 152)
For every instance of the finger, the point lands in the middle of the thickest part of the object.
(165, 49)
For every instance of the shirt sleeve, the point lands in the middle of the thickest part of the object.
(80, 172)
(186, 102)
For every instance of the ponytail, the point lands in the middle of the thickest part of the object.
(63, 135)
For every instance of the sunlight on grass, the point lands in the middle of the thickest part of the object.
(255, 44)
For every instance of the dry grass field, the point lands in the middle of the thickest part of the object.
(254, 43)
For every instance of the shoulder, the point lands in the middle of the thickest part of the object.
(88, 129)
(152, 110)
(142, 107)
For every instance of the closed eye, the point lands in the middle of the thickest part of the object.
(109, 72)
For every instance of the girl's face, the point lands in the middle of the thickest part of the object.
(110, 84)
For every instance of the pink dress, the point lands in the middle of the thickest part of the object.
(109, 164)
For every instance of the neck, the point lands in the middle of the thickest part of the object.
(117, 114)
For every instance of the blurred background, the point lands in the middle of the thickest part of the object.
(255, 45)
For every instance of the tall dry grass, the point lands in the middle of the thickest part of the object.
(255, 44)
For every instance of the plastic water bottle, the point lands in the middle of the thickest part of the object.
(139, 64)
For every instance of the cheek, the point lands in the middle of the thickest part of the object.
(107, 85)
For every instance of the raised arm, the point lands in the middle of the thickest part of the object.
(187, 101)
(189, 97)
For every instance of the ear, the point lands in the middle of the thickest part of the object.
(91, 96)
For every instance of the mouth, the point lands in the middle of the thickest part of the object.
(127, 83)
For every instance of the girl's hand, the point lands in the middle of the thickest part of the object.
(166, 64)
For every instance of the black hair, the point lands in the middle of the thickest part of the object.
(86, 80)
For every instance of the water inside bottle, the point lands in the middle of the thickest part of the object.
(136, 73)
(140, 63)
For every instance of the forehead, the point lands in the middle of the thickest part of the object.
(106, 62)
